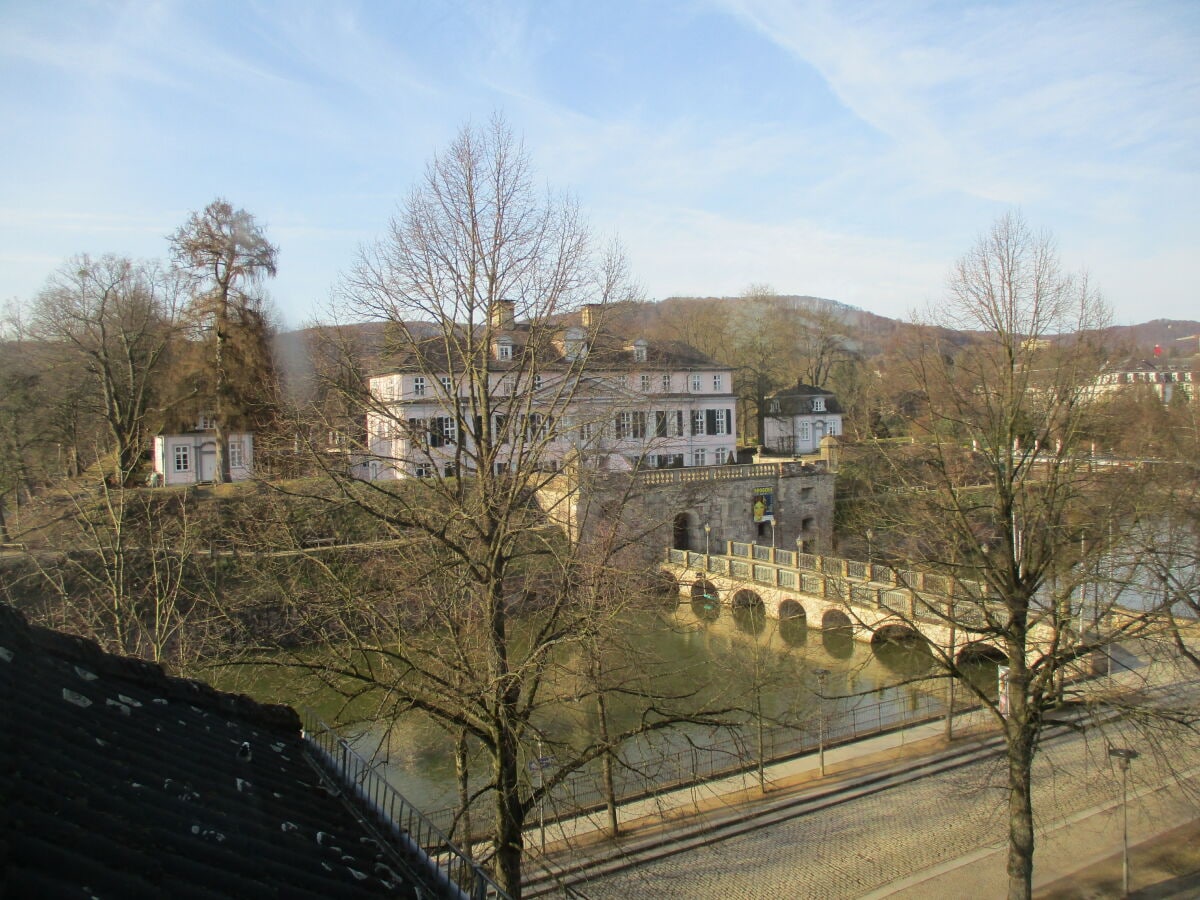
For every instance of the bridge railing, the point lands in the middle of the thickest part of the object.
(910, 591)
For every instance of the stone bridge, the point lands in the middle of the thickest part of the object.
(874, 602)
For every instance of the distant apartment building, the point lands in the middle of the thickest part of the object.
(798, 417)
(571, 390)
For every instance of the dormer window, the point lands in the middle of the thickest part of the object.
(818, 404)
(574, 344)
(639, 350)
(504, 348)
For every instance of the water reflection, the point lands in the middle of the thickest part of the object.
(839, 643)
(907, 655)
(692, 651)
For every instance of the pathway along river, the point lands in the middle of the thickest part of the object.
(721, 659)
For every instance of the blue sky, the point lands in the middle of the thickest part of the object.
(845, 150)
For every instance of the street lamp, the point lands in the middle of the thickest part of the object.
(707, 534)
(870, 535)
(821, 674)
(1124, 756)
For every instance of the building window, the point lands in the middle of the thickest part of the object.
(537, 382)
(443, 431)
(423, 471)
(698, 458)
(584, 432)
(504, 350)
(183, 458)
(697, 383)
(419, 386)
(717, 383)
(622, 381)
(698, 421)
(639, 352)
(804, 432)
(630, 425)
(537, 426)
(818, 404)
(446, 384)
(666, 384)
(236, 459)
(717, 421)
(645, 382)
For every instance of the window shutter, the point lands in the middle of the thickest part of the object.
(710, 421)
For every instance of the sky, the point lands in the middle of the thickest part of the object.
(845, 150)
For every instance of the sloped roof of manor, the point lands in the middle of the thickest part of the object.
(606, 352)
(798, 399)
(119, 781)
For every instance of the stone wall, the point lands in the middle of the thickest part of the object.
(670, 507)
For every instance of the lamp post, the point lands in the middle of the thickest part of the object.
(707, 545)
(821, 674)
(870, 535)
(1124, 756)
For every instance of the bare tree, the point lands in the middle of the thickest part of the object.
(118, 318)
(121, 571)
(228, 257)
(1000, 497)
(486, 615)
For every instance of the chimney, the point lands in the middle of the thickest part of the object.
(504, 314)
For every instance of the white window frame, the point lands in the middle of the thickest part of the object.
(419, 386)
(183, 458)
(818, 404)
(446, 386)
(698, 422)
(717, 382)
(237, 457)
(666, 384)
(697, 383)
(698, 457)
(645, 383)
(504, 350)
(722, 422)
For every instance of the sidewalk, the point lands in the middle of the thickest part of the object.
(1076, 858)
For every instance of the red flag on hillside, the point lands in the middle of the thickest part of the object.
(1157, 350)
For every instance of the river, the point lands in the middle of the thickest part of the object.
(718, 662)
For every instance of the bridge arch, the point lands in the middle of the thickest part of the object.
(982, 652)
(835, 618)
(749, 612)
(706, 600)
(663, 588)
(837, 634)
(902, 649)
(793, 622)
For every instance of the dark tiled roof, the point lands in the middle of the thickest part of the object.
(605, 353)
(798, 398)
(118, 781)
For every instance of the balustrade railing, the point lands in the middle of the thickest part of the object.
(413, 833)
(831, 577)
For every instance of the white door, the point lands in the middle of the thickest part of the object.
(208, 462)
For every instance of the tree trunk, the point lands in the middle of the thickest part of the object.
(510, 817)
(1020, 811)
(606, 769)
(462, 775)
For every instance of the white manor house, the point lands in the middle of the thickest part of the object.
(570, 391)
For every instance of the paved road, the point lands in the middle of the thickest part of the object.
(935, 837)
